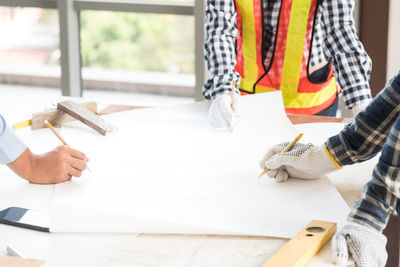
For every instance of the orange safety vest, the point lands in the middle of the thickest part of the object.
(288, 70)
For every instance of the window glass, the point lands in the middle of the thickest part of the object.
(137, 41)
(29, 37)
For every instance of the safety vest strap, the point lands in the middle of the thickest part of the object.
(294, 47)
(251, 30)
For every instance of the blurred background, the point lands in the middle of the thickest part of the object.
(143, 57)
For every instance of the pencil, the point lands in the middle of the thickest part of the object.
(233, 91)
(48, 124)
(232, 100)
(286, 149)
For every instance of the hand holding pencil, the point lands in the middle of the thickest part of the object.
(68, 162)
(296, 160)
(56, 166)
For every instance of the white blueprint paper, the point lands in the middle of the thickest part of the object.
(168, 171)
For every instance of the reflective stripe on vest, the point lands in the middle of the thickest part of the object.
(288, 69)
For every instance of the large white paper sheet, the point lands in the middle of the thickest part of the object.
(169, 171)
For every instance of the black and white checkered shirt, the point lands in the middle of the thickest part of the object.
(335, 39)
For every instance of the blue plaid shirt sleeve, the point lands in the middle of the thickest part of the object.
(11, 147)
(375, 129)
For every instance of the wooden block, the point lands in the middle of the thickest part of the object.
(87, 117)
(57, 117)
(301, 248)
(19, 262)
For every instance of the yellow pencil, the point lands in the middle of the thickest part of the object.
(48, 124)
(286, 149)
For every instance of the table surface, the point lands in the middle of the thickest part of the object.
(78, 249)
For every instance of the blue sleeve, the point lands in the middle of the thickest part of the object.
(11, 146)
(365, 138)
(380, 197)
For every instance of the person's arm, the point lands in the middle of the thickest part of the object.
(55, 166)
(359, 141)
(365, 137)
(362, 235)
(219, 47)
(351, 64)
(220, 56)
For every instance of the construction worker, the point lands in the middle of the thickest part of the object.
(299, 47)
(375, 129)
(53, 167)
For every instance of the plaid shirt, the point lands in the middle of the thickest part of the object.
(335, 39)
(375, 129)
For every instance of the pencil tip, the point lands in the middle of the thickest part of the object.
(45, 121)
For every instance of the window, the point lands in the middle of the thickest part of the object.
(29, 44)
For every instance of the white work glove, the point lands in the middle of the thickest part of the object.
(359, 107)
(366, 245)
(224, 113)
(304, 161)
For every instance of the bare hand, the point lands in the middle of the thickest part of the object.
(56, 166)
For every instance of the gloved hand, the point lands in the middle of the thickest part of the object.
(224, 113)
(366, 245)
(304, 161)
(359, 107)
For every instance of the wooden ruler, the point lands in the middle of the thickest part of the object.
(301, 248)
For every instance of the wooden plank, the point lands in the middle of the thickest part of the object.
(87, 117)
(298, 118)
(19, 262)
(118, 108)
(301, 248)
(57, 117)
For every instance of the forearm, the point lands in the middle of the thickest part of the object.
(381, 195)
(365, 137)
(351, 64)
(23, 166)
(219, 47)
(352, 68)
(56, 166)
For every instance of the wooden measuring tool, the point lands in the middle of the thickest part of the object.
(69, 111)
(54, 116)
(301, 248)
(87, 117)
